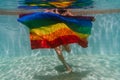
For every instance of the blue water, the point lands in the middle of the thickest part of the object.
(100, 61)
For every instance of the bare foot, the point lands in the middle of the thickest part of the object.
(69, 70)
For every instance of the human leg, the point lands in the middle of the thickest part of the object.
(67, 48)
(61, 58)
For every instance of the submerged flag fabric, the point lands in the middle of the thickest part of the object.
(40, 4)
(49, 30)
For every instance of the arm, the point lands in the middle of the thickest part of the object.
(67, 13)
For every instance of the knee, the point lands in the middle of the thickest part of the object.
(58, 51)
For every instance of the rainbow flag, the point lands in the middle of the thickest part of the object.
(40, 4)
(49, 30)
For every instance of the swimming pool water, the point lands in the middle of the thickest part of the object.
(100, 61)
(85, 67)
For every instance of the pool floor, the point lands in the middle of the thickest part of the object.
(85, 67)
